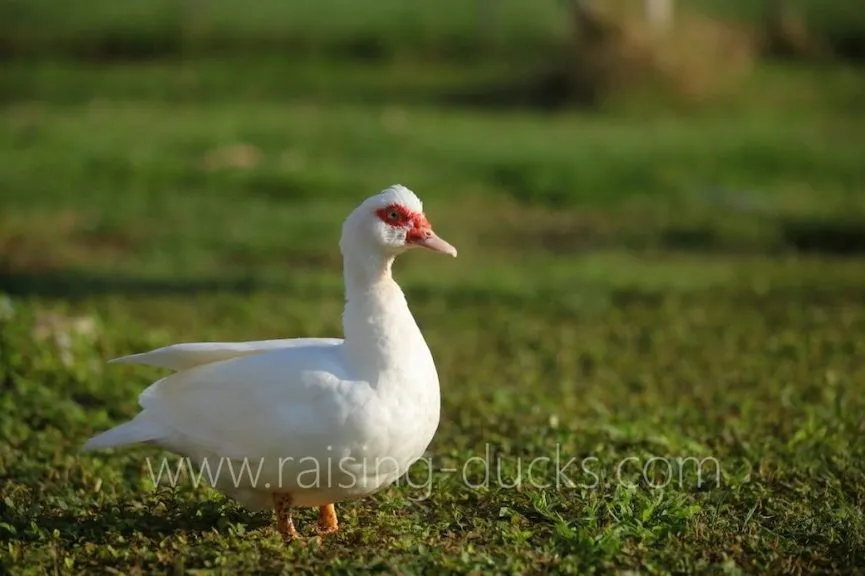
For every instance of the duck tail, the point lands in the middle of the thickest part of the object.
(139, 429)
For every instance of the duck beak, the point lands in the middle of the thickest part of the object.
(428, 239)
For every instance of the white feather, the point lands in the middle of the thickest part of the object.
(191, 354)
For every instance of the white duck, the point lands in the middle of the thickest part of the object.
(316, 420)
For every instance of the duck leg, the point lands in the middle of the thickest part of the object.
(327, 523)
(284, 523)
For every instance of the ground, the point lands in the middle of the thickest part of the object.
(662, 314)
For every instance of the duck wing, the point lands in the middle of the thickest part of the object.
(245, 400)
(287, 402)
(191, 354)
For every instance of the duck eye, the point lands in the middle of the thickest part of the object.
(393, 215)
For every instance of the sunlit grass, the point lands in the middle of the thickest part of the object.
(627, 289)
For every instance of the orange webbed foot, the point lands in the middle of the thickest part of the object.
(327, 522)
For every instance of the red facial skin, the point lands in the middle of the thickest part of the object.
(399, 216)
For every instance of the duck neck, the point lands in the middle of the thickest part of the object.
(377, 323)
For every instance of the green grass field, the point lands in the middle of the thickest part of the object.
(672, 300)
(441, 29)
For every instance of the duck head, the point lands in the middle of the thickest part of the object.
(390, 223)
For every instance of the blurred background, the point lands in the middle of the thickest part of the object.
(659, 211)
(206, 138)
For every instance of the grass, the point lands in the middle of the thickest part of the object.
(683, 285)
(371, 30)
(385, 29)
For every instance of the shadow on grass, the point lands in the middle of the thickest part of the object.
(77, 284)
(548, 90)
(96, 524)
(74, 284)
(844, 237)
(829, 238)
(838, 237)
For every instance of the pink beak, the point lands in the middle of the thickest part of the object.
(428, 239)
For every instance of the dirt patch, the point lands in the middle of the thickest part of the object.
(614, 52)
(694, 58)
(236, 156)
